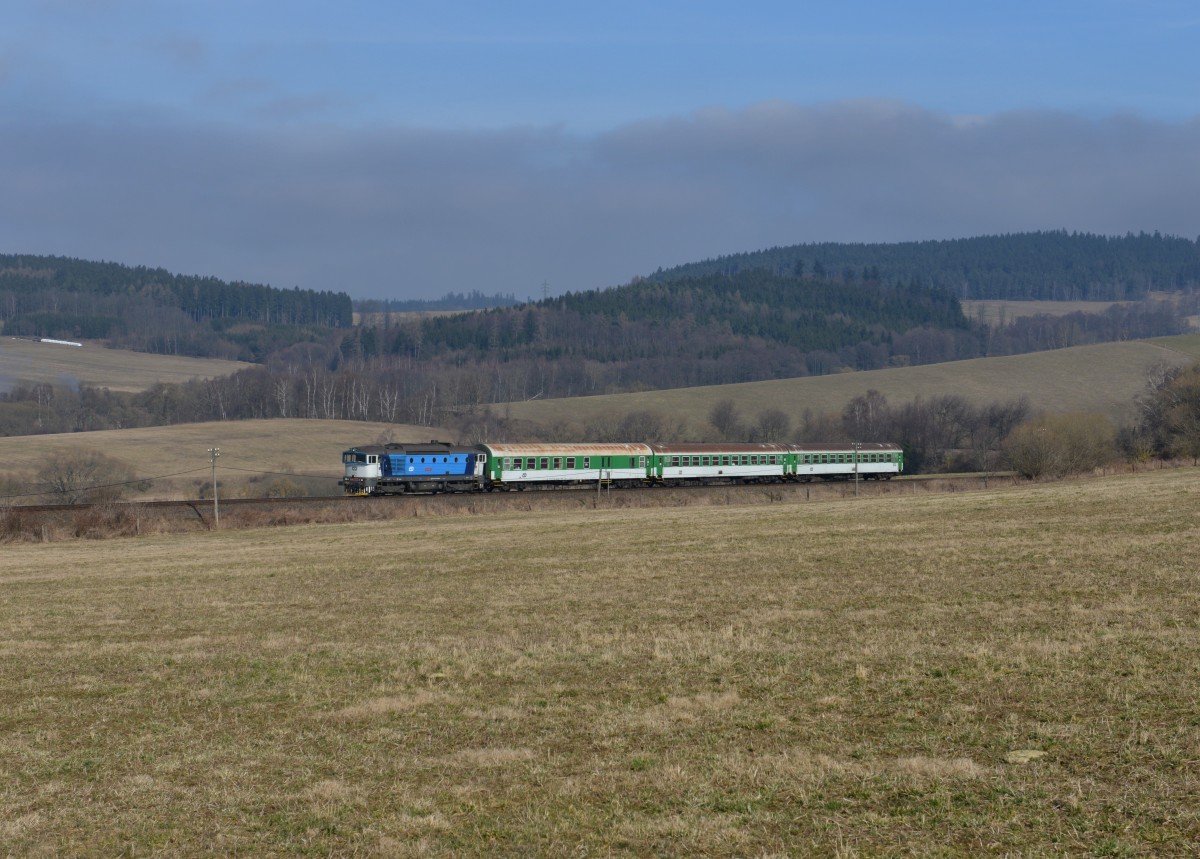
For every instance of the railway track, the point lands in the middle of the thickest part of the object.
(203, 506)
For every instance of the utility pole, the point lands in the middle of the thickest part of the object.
(213, 453)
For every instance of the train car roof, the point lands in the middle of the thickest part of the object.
(567, 449)
(821, 447)
(730, 447)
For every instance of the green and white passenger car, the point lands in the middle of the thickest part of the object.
(870, 461)
(682, 463)
(517, 466)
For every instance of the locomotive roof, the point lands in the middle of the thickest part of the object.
(433, 446)
(567, 449)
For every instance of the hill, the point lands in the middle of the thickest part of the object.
(1103, 378)
(1053, 266)
(116, 369)
(153, 310)
(253, 453)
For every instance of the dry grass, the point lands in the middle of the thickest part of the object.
(1102, 379)
(845, 678)
(1001, 312)
(93, 364)
(292, 446)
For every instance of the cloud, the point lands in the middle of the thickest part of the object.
(402, 211)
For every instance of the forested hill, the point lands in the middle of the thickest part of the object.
(720, 328)
(1054, 266)
(151, 309)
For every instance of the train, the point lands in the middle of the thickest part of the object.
(437, 466)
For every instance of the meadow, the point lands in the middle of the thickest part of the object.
(1002, 672)
(93, 364)
(1101, 379)
(305, 452)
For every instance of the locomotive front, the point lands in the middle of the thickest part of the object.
(361, 471)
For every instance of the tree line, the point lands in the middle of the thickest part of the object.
(152, 310)
(1051, 265)
(938, 433)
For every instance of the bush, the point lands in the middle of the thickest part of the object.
(84, 475)
(1058, 445)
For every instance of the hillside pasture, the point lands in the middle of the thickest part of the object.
(24, 360)
(997, 312)
(1103, 379)
(283, 448)
(994, 673)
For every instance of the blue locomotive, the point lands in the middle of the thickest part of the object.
(406, 468)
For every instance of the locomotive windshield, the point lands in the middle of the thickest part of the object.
(353, 456)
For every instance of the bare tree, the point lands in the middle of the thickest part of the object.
(83, 475)
(772, 425)
(727, 421)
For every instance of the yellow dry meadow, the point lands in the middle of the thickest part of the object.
(1007, 672)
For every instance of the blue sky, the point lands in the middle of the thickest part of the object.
(410, 149)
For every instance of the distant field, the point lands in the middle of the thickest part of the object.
(288, 447)
(401, 315)
(1103, 378)
(1001, 312)
(988, 673)
(115, 369)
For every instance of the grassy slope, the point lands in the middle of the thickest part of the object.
(1103, 378)
(115, 369)
(304, 447)
(836, 678)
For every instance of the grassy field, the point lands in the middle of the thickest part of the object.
(990, 673)
(115, 369)
(287, 447)
(1103, 379)
(1000, 312)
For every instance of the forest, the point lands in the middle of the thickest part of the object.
(152, 310)
(1049, 266)
(719, 327)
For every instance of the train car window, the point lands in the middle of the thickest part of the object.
(558, 462)
(641, 462)
(570, 462)
(674, 460)
(587, 462)
(545, 463)
(508, 463)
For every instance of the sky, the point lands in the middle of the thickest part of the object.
(409, 149)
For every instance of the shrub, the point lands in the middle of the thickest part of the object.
(1058, 445)
(84, 475)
